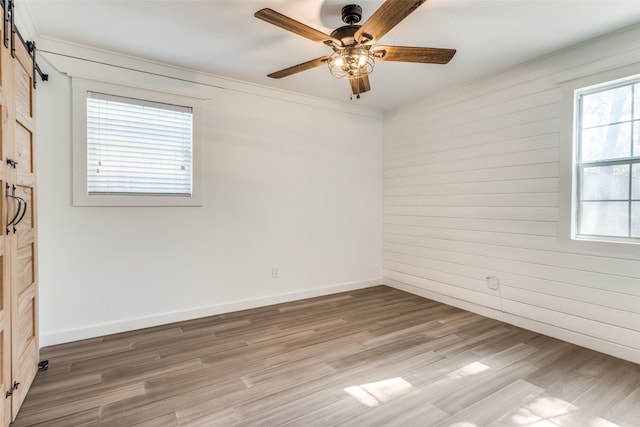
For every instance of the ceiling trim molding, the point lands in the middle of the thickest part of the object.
(84, 61)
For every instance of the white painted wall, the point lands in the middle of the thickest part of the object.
(474, 186)
(477, 183)
(284, 185)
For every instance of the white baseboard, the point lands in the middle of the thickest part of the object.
(93, 331)
(538, 326)
(607, 347)
(445, 299)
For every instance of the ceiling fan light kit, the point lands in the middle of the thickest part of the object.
(354, 55)
(351, 63)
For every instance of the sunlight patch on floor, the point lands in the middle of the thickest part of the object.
(540, 411)
(373, 394)
(601, 422)
(549, 411)
(468, 370)
(550, 407)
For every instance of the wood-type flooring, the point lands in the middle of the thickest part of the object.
(370, 357)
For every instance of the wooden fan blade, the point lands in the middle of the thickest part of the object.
(282, 21)
(299, 68)
(426, 55)
(360, 85)
(385, 18)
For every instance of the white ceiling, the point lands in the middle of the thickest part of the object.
(222, 37)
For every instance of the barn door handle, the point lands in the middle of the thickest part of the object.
(21, 202)
(20, 212)
(15, 216)
(12, 163)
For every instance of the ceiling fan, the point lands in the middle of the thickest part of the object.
(354, 55)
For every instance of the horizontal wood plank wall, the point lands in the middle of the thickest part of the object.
(472, 189)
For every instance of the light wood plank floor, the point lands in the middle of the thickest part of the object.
(371, 357)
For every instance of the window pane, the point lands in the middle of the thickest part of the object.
(605, 183)
(635, 182)
(606, 142)
(635, 219)
(608, 106)
(604, 218)
(636, 91)
(636, 136)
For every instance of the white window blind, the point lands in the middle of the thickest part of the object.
(138, 147)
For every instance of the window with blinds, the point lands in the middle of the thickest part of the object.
(138, 147)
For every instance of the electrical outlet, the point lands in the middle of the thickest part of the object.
(275, 271)
(493, 283)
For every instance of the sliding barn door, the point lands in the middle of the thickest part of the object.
(7, 209)
(24, 290)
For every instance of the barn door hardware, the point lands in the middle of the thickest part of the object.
(43, 365)
(9, 393)
(13, 27)
(15, 216)
(17, 212)
(21, 202)
(10, 32)
(10, 222)
(31, 47)
(7, 20)
(9, 25)
(18, 216)
(12, 163)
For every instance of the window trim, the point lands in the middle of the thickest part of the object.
(79, 88)
(580, 166)
(567, 165)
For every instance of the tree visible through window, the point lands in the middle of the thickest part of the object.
(608, 161)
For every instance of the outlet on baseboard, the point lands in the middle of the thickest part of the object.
(493, 283)
(275, 271)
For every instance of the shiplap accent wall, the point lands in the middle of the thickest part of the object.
(473, 187)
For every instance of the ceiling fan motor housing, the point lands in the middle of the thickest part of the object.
(345, 34)
(351, 14)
